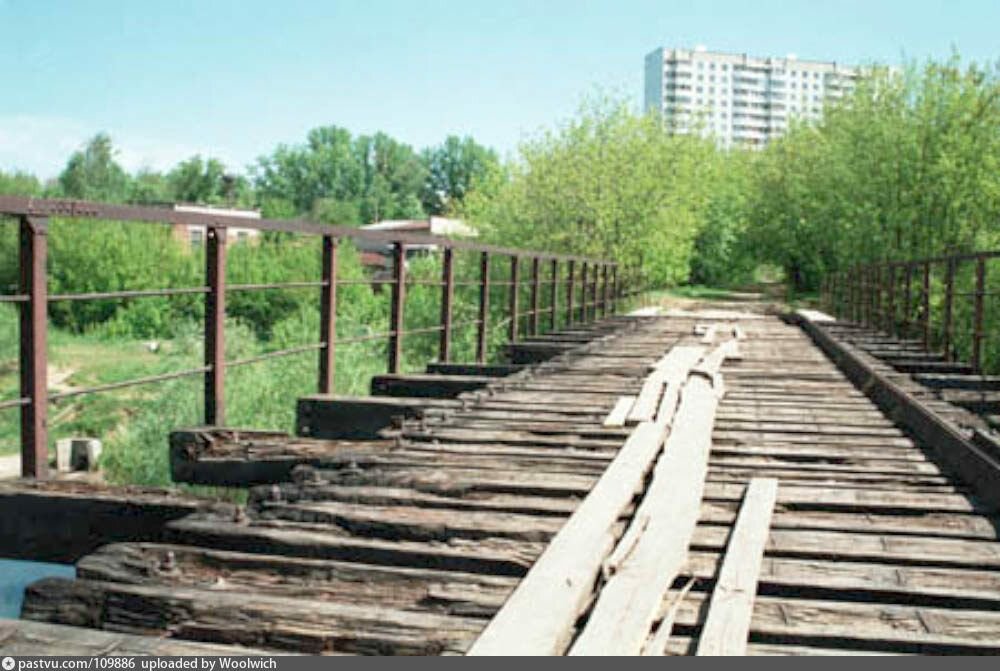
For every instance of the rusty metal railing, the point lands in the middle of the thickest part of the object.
(940, 302)
(601, 289)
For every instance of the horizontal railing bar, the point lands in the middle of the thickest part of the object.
(424, 283)
(128, 383)
(349, 283)
(79, 209)
(471, 322)
(426, 329)
(137, 293)
(276, 285)
(276, 354)
(365, 338)
(14, 403)
(14, 298)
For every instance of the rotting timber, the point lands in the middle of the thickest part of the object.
(412, 539)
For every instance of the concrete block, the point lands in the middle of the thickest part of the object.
(77, 454)
(64, 455)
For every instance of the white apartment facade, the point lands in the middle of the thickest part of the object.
(738, 99)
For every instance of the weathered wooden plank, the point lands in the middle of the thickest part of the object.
(843, 578)
(618, 414)
(411, 523)
(853, 625)
(728, 621)
(24, 638)
(674, 366)
(653, 550)
(494, 556)
(913, 550)
(353, 418)
(539, 615)
(955, 525)
(255, 620)
(421, 385)
(406, 588)
(89, 515)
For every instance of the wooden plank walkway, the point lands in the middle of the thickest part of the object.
(410, 543)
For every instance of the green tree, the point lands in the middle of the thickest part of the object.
(392, 177)
(324, 168)
(907, 166)
(19, 184)
(607, 183)
(198, 180)
(93, 174)
(453, 169)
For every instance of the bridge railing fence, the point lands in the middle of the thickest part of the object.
(544, 291)
(942, 303)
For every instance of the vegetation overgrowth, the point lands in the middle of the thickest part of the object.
(908, 165)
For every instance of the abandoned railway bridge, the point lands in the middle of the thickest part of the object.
(716, 480)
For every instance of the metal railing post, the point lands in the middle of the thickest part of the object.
(484, 306)
(328, 318)
(536, 280)
(398, 307)
(877, 316)
(925, 308)
(614, 289)
(583, 292)
(554, 295)
(890, 326)
(604, 290)
(595, 269)
(977, 309)
(215, 326)
(570, 285)
(33, 235)
(514, 296)
(949, 297)
(447, 299)
(907, 300)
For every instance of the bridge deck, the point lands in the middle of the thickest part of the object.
(411, 543)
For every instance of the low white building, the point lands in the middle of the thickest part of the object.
(194, 236)
(375, 254)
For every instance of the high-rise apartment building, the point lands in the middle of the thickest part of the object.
(736, 98)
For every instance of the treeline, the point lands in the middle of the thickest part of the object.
(332, 177)
(909, 165)
(905, 166)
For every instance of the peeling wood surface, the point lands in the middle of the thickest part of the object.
(413, 542)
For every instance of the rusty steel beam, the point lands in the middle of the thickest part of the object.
(484, 306)
(978, 335)
(215, 325)
(893, 307)
(536, 281)
(328, 318)
(554, 295)
(570, 284)
(513, 297)
(949, 297)
(447, 299)
(33, 235)
(925, 307)
(21, 206)
(398, 304)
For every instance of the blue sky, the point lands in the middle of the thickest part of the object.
(232, 79)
